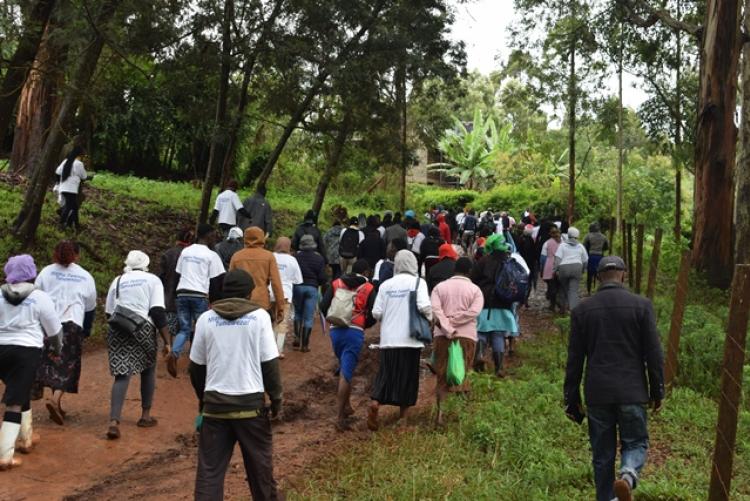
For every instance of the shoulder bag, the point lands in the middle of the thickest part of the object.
(124, 319)
(419, 326)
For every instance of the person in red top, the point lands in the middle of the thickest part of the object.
(445, 231)
(347, 341)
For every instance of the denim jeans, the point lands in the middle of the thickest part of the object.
(495, 339)
(604, 422)
(304, 298)
(189, 308)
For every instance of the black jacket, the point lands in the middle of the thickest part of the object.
(483, 275)
(169, 276)
(313, 268)
(258, 212)
(372, 248)
(440, 272)
(614, 334)
(308, 228)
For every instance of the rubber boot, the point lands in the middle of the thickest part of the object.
(280, 338)
(9, 431)
(479, 360)
(306, 331)
(497, 358)
(26, 438)
(297, 334)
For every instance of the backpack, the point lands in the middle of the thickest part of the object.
(342, 307)
(470, 223)
(349, 243)
(511, 282)
(386, 271)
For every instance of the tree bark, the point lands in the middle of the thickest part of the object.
(677, 157)
(572, 103)
(716, 139)
(22, 60)
(332, 163)
(401, 98)
(37, 105)
(219, 140)
(620, 146)
(29, 216)
(742, 205)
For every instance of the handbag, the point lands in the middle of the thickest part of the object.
(419, 326)
(123, 319)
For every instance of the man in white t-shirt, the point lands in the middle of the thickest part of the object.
(27, 316)
(200, 270)
(291, 275)
(227, 206)
(233, 365)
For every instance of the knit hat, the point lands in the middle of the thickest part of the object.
(235, 233)
(136, 260)
(447, 251)
(238, 283)
(496, 243)
(19, 269)
(307, 242)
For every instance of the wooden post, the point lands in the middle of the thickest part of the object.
(651, 287)
(639, 257)
(731, 385)
(612, 226)
(629, 250)
(678, 312)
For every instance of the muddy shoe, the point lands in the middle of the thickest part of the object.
(12, 463)
(172, 365)
(55, 414)
(147, 423)
(113, 432)
(623, 491)
(25, 446)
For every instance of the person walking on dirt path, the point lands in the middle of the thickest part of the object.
(395, 230)
(397, 380)
(596, 245)
(231, 244)
(227, 207)
(347, 340)
(139, 296)
(73, 292)
(349, 243)
(570, 261)
(290, 275)
(549, 249)
(305, 295)
(261, 265)
(71, 173)
(444, 268)
(27, 316)
(384, 267)
(468, 228)
(430, 249)
(234, 363)
(200, 270)
(309, 227)
(331, 241)
(258, 212)
(169, 279)
(372, 247)
(497, 320)
(613, 334)
(415, 237)
(527, 249)
(456, 304)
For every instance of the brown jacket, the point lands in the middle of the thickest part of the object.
(261, 265)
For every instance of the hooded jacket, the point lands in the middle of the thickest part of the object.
(445, 230)
(362, 313)
(261, 265)
(260, 213)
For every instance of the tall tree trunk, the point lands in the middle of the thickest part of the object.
(22, 59)
(37, 105)
(620, 145)
(219, 139)
(332, 163)
(572, 103)
(401, 98)
(742, 206)
(677, 156)
(29, 216)
(716, 139)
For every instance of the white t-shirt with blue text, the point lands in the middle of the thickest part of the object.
(71, 288)
(197, 265)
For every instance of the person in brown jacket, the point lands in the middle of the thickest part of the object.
(261, 265)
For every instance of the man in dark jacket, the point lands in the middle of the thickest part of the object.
(259, 211)
(233, 364)
(614, 334)
(309, 227)
(230, 245)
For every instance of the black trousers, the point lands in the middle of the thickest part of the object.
(69, 215)
(215, 447)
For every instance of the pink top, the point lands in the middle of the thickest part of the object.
(551, 246)
(456, 304)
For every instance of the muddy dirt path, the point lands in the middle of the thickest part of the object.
(77, 462)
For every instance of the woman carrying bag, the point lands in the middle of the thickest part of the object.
(397, 381)
(135, 310)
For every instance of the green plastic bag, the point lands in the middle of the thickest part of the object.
(456, 372)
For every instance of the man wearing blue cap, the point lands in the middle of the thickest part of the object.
(614, 334)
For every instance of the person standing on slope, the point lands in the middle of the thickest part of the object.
(258, 211)
(71, 173)
(227, 207)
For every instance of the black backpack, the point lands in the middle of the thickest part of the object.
(386, 271)
(511, 282)
(470, 223)
(349, 243)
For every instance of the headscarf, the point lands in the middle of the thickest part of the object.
(136, 260)
(446, 251)
(235, 233)
(283, 245)
(573, 235)
(20, 269)
(496, 243)
(405, 262)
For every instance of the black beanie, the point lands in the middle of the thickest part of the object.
(238, 283)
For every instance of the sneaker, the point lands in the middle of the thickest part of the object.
(172, 365)
(623, 491)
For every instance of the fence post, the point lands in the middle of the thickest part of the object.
(629, 250)
(651, 287)
(731, 385)
(675, 329)
(639, 257)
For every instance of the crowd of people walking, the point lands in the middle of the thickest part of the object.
(466, 275)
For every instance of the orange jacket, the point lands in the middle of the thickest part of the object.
(261, 265)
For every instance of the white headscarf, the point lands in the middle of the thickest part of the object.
(136, 260)
(235, 233)
(405, 262)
